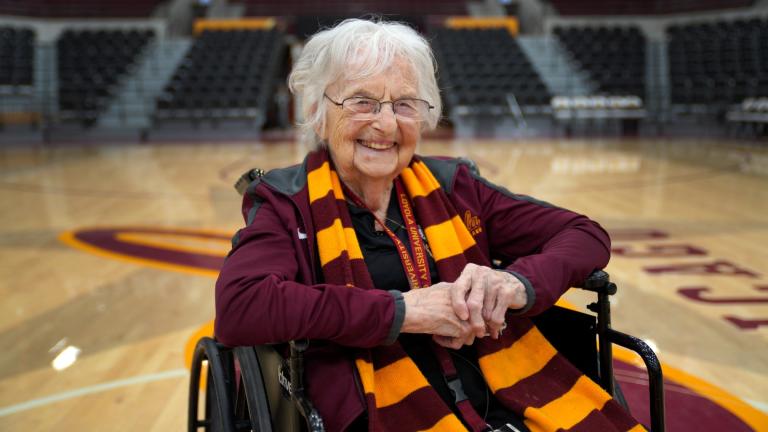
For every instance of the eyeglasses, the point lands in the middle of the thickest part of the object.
(364, 108)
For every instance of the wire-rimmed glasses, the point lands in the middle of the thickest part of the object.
(365, 108)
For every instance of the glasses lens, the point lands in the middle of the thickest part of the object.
(410, 108)
(360, 105)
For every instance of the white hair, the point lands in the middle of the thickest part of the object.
(372, 46)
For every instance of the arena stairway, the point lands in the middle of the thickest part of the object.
(554, 65)
(134, 103)
(657, 85)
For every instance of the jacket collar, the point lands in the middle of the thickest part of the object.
(291, 180)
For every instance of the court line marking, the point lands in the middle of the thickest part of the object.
(759, 405)
(98, 388)
(753, 416)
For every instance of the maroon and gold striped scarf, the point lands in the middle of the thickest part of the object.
(524, 371)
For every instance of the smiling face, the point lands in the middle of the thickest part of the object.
(373, 150)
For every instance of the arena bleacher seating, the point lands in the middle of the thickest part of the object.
(90, 65)
(751, 110)
(480, 69)
(718, 63)
(642, 7)
(225, 74)
(79, 8)
(17, 52)
(353, 9)
(713, 65)
(306, 17)
(614, 57)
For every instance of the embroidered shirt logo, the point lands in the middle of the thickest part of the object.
(473, 223)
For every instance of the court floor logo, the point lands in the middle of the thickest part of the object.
(185, 250)
(691, 403)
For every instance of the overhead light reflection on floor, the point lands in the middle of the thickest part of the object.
(592, 165)
(66, 358)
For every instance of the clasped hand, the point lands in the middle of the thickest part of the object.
(472, 307)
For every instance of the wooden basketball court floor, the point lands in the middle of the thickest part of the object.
(108, 256)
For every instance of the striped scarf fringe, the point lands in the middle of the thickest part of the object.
(522, 369)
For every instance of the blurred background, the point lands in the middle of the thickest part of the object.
(125, 123)
(149, 69)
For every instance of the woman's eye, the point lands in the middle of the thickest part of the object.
(405, 107)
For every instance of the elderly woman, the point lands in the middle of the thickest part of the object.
(384, 260)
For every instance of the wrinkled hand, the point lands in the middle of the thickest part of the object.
(482, 295)
(430, 310)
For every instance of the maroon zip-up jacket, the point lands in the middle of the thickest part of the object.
(271, 290)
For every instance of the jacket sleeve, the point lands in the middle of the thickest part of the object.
(548, 248)
(260, 300)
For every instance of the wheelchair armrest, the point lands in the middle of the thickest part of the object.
(307, 410)
(655, 376)
(288, 373)
(599, 282)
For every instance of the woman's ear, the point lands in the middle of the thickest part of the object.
(320, 131)
(318, 127)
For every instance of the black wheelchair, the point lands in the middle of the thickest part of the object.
(261, 388)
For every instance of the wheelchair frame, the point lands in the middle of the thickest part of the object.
(251, 408)
(238, 371)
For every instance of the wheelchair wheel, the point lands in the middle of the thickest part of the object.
(234, 395)
(220, 377)
(252, 404)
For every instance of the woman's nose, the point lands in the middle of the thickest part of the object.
(385, 118)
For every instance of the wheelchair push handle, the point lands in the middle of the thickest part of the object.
(245, 180)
